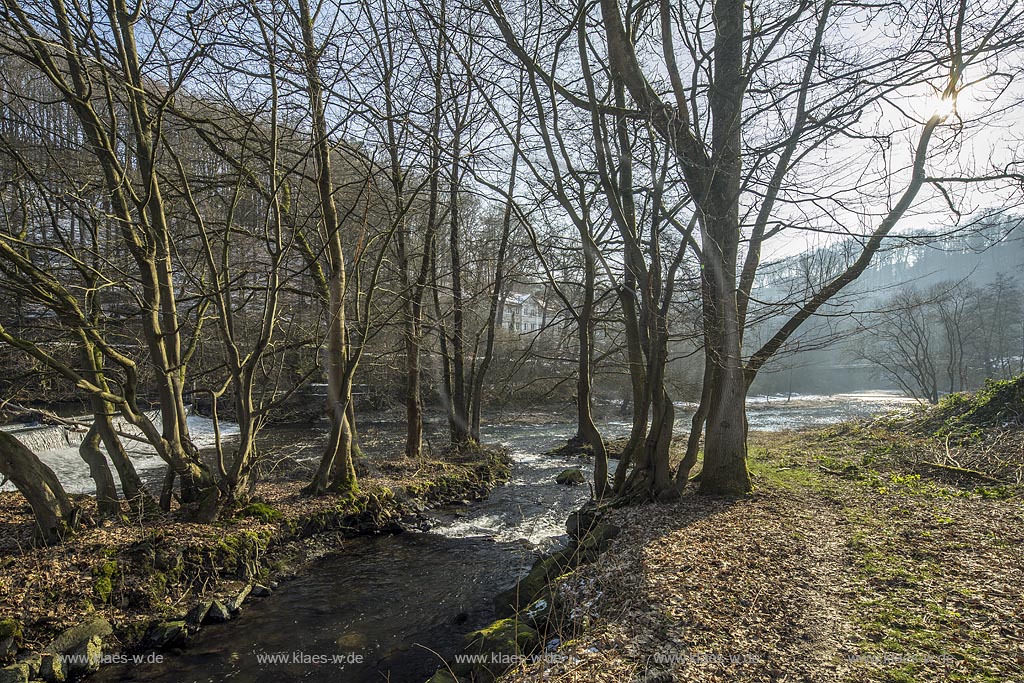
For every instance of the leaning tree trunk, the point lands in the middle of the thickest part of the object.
(106, 490)
(135, 492)
(682, 477)
(663, 413)
(651, 477)
(638, 381)
(139, 499)
(55, 514)
(495, 312)
(343, 474)
(350, 416)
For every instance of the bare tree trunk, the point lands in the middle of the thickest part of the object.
(696, 425)
(588, 431)
(413, 392)
(343, 477)
(459, 413)
(339, 372)
(414, 293)
(725, 449)
(135, 492)
(106, 491)
(350, 420)
(494, 313)
(55, 515)
(139, 499)
(638, 383)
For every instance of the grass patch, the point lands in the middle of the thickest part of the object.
(923, 546)
(771, 469)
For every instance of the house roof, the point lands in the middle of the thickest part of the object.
(518, 298)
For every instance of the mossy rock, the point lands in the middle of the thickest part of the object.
(571, 477)
(597, 541)
(217, 613)
(234, 604)
(262, 512)
(535, 583)
(77, 636)
(539, 611)
(502, 644)
(15, 673)
(51, 667)
(168, 559)
(158, 586)
(442, 676)
(583, 520)
(10, 628)
(197, 615)
(10, 639)
(86, 658)
(241, 551)
(166, 634)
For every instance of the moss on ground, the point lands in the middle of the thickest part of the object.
(916, 552)
(261, 511)
(103, 580)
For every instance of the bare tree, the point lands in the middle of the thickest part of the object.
(62, 46)
(746, 136)
(55, 514)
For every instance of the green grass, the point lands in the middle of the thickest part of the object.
(767, 470)
(899, 525)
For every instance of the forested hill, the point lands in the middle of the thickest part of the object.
(978, 254)
(928, 316)
(978, 258)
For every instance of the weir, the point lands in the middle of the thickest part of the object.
(57, 446)
(49, 437)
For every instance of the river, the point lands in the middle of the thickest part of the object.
(393, 607)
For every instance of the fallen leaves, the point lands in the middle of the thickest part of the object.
(811, 578)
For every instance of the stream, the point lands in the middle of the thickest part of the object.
(392, 607)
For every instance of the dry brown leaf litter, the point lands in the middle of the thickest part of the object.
(814, 577)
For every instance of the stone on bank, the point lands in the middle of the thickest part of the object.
(571, 477)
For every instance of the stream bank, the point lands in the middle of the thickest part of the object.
(438, 583)
(852, 561)
(137, 584)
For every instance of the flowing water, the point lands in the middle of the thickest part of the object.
(392, 608)
(399, 603)
(57, 446)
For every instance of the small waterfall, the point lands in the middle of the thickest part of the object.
(49, 438)
(57, 446)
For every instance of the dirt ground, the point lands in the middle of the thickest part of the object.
(843, 565)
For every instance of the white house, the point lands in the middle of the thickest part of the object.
(522, 313)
